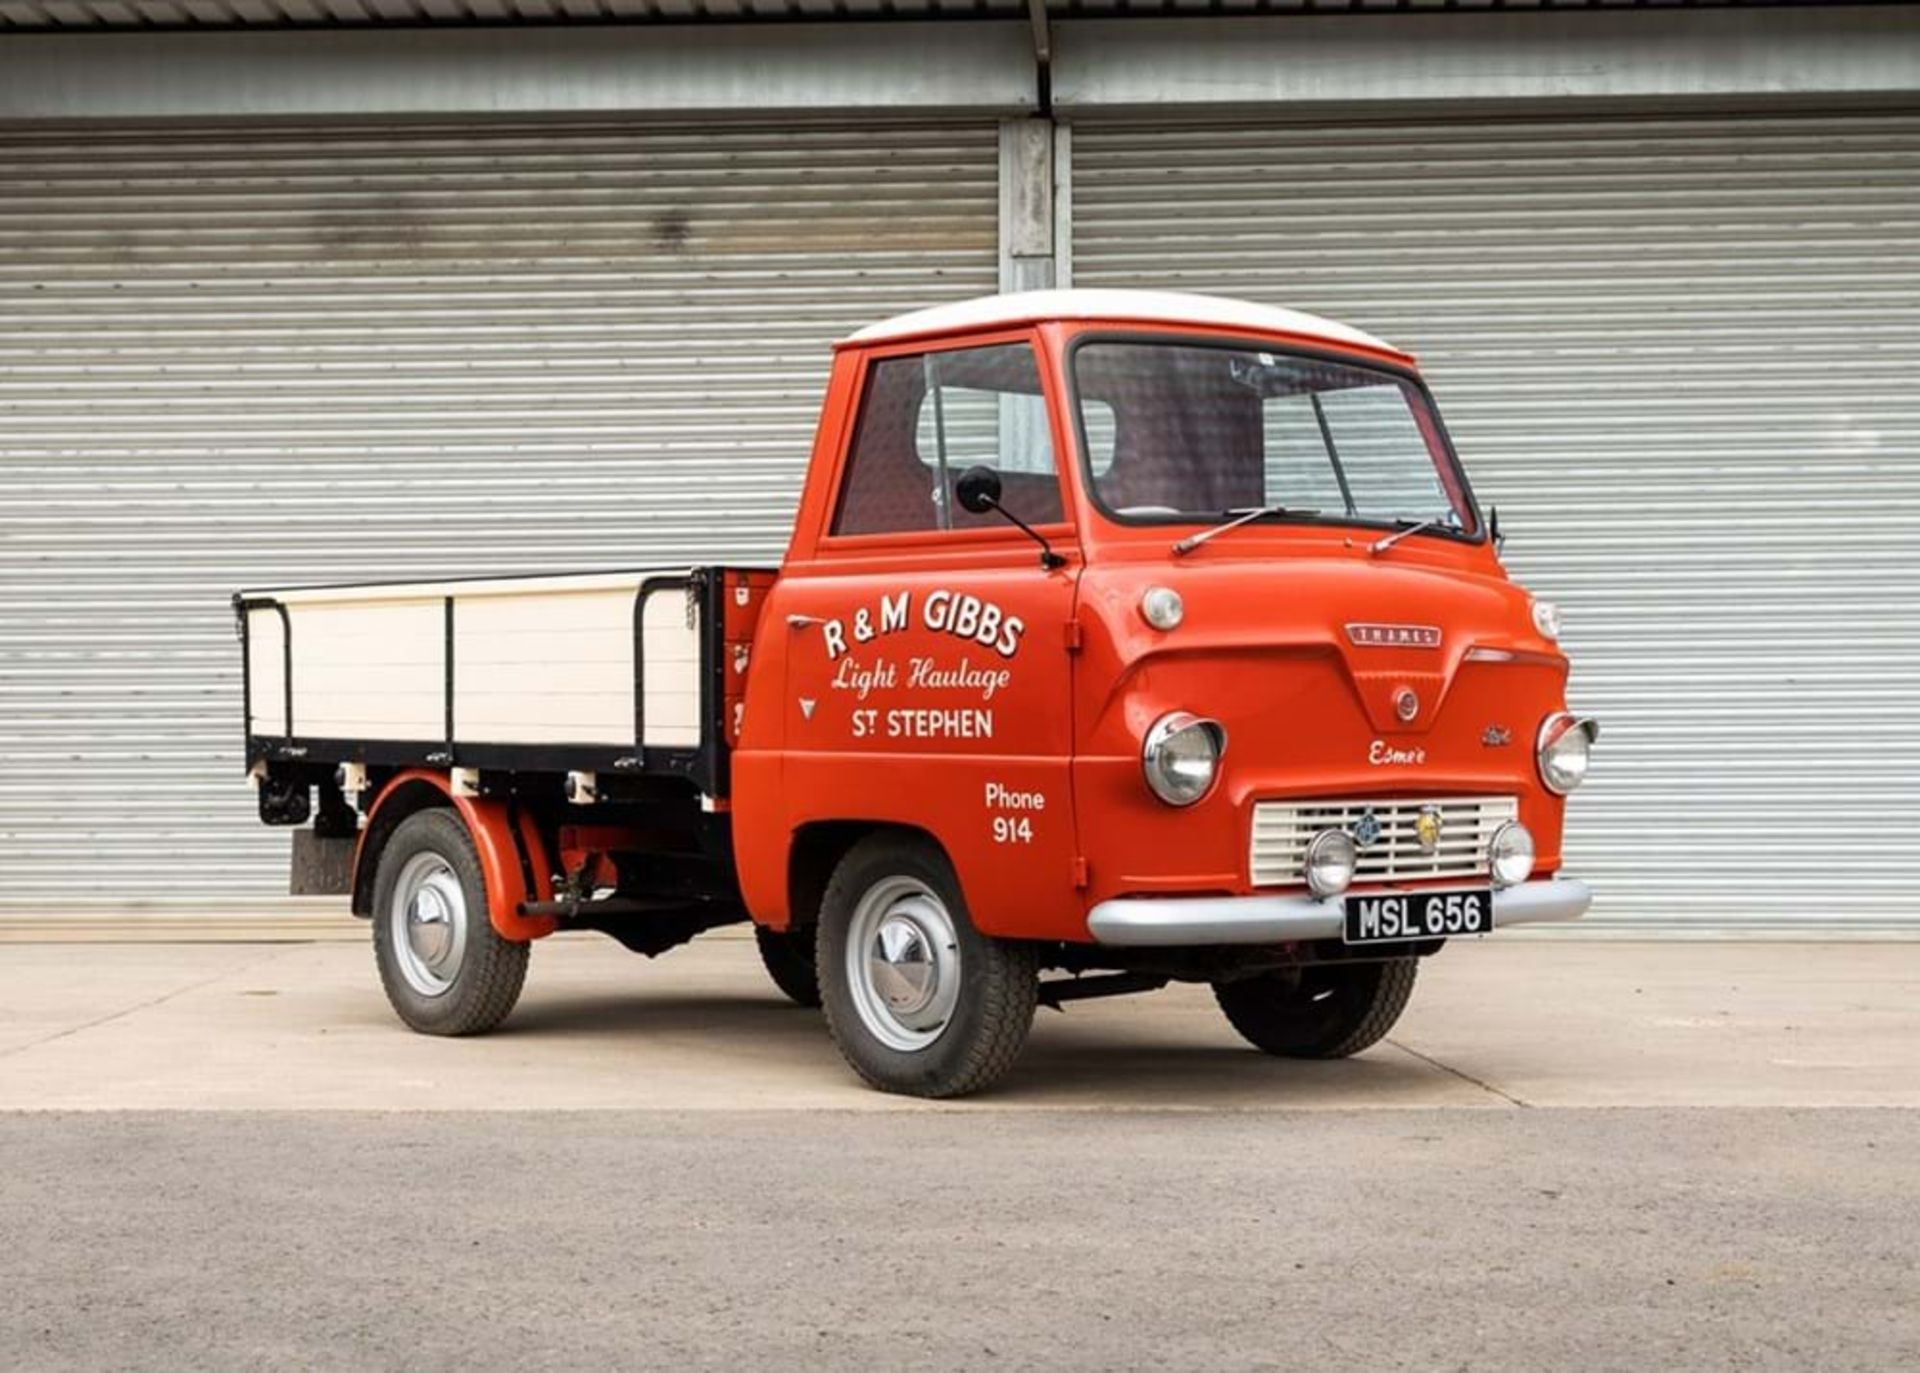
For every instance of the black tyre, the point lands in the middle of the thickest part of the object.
(446, 971)
(788, 956)
(918, 1000)
(1328, 1010)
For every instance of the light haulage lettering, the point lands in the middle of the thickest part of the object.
(925, 675)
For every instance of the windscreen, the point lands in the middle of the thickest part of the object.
(1196, 431)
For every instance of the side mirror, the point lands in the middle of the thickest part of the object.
(1493, 528)
(978, 490)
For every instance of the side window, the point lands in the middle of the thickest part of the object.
(928, 418)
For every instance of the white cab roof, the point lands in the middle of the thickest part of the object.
(1132, 307)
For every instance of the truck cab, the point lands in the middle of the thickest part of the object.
(1123, 638)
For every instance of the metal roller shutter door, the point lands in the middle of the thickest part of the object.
(1683, 357)
(241, 356)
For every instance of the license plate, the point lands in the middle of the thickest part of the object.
(1391, 917)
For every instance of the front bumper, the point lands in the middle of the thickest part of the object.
(1174, 921)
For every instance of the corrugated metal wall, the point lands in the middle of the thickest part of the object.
(1683, 357)
(233, 357)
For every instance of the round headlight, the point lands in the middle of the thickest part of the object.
(1546, 619)
(1330, 862)
(1181, 755)
(1564, 748)
(1510, 854)
(1162, 607)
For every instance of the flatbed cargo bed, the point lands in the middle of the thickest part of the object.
(633, 672)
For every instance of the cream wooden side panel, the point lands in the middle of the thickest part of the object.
(534, 662)
(266, 673)
(670, 653)
(544, 666)
(369, 670)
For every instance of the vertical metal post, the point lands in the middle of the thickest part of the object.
(1027, 226)
(1063, 205)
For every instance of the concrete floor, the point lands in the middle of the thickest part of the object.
(230, 1156)
(1495, 1025)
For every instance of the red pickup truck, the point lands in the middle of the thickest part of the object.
(1123, 638)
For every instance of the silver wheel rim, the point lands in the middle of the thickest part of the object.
(428, 922)
(903, 963)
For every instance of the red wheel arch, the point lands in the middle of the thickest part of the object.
(493, 824)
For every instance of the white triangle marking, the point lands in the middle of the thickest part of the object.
(806, 707)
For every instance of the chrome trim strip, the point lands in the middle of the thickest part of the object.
(1174, 921)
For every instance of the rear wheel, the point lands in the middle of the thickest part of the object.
(1326, 1010)
(788, 956)
(445, 970)
(918, 1000)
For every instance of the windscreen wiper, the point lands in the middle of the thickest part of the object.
(1406, 531)
(1240, 517)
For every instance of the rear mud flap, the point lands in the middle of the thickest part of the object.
(322, 866)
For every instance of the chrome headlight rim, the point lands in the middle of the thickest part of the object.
(1508, 878)
(1556, 727)
(1317, 881)
(1154, 754)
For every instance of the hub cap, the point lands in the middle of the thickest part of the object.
(428, 922)
(903, 963)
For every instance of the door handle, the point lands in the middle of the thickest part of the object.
(804, 621)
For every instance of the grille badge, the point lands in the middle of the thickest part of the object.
(1428, 828)
(1366, 829)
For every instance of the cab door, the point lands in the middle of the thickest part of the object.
(927, 668)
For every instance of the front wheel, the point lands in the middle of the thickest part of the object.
(1325, 1010)
(445, 969)
(917, 1000)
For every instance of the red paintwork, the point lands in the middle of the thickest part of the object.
(489, 822)
(746, 597)
(1263, 649)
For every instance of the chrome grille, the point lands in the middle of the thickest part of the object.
(1282, 830)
